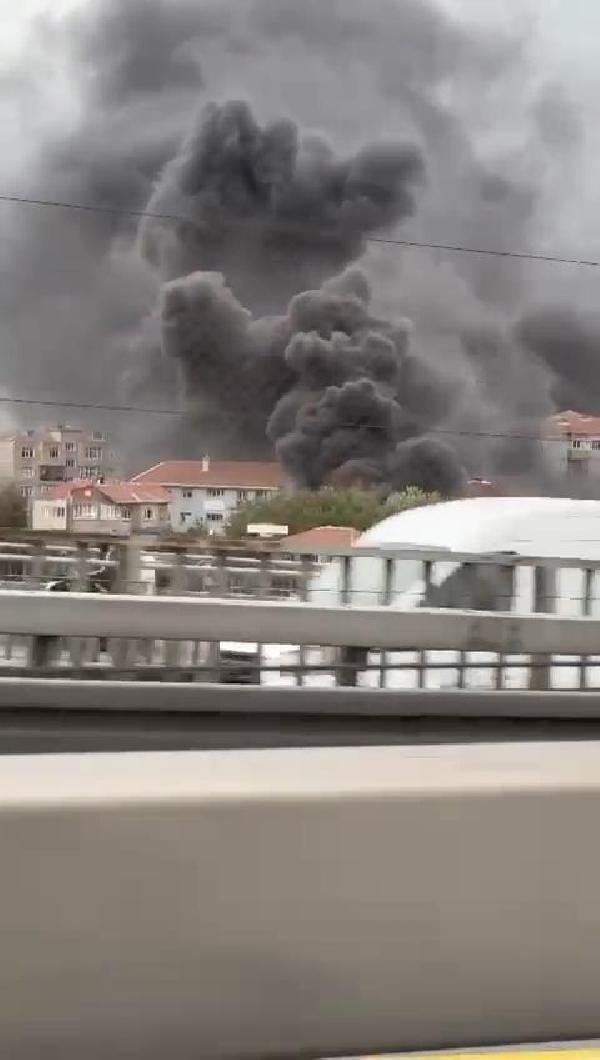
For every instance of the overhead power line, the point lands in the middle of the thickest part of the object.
(148, 411)
(409, 244)
(455, 248)
(414, 244)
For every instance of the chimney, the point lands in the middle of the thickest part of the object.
(205, 464)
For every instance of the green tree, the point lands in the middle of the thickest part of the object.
(305, 509)
(13, 507)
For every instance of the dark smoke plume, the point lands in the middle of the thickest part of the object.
(274, 211)
(339, 383)
(328, 384)
(567, 342)
(232, 312)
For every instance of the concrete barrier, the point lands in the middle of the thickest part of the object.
(151, 697)
(298, 904)
(87, 615)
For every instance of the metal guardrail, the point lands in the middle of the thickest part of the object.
(298, 903)
(265, 571)
(168, 636)
(184, 618)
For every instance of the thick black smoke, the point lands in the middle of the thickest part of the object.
(567, 342)
(275, 211)
(331, 386)
(260, 346)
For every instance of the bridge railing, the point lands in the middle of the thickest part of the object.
(184, 638)
(398, 576)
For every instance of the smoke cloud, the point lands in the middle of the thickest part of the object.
(271, 140)
(274, 211)
(567, 342)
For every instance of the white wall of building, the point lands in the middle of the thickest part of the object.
(209, 507)
(573, 457)
(47, 514)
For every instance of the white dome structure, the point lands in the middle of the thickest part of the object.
(534, 526)
(527, 526)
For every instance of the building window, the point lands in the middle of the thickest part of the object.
(576, 443)
(54, 452)
(84, 511)
(214, 517)
(186, 494)
(70, 461)
(26, 491)
(98, 436)
(148, 514)
(89, 472)
(185, 516)
(27, 453)
(110, 512)
(216, 493)
(596, 445)
(262, 495)
(242, 496)
(70, 447)
(60, 513)
(27, 472)
(126, 513)
(93, 453)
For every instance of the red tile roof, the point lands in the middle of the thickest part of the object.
(569, 422)
(223, 474)
(321, 537)
(116, 492)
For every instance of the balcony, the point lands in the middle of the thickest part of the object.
(579, 454)
(52, 473)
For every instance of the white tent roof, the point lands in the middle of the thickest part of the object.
(532, 526)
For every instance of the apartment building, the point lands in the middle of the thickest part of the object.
(205, 493)
(118, 508)
(36, 460)
(572, 444)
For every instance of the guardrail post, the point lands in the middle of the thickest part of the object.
(346, 586)
(176, 582)
(37, 564)
(40, 649)
(504, 601)
(386, 599)
(586, 610)
(351, 659)
(540, 679)
(221, 578)
(305, 574)
(129, 574)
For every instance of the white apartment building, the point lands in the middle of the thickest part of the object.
(572, 444)
(205, 493)
(37, 460)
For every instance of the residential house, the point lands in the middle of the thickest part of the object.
(572, 444)
(320, 543)
(206, 492)
(36, 460)
(118, 508)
